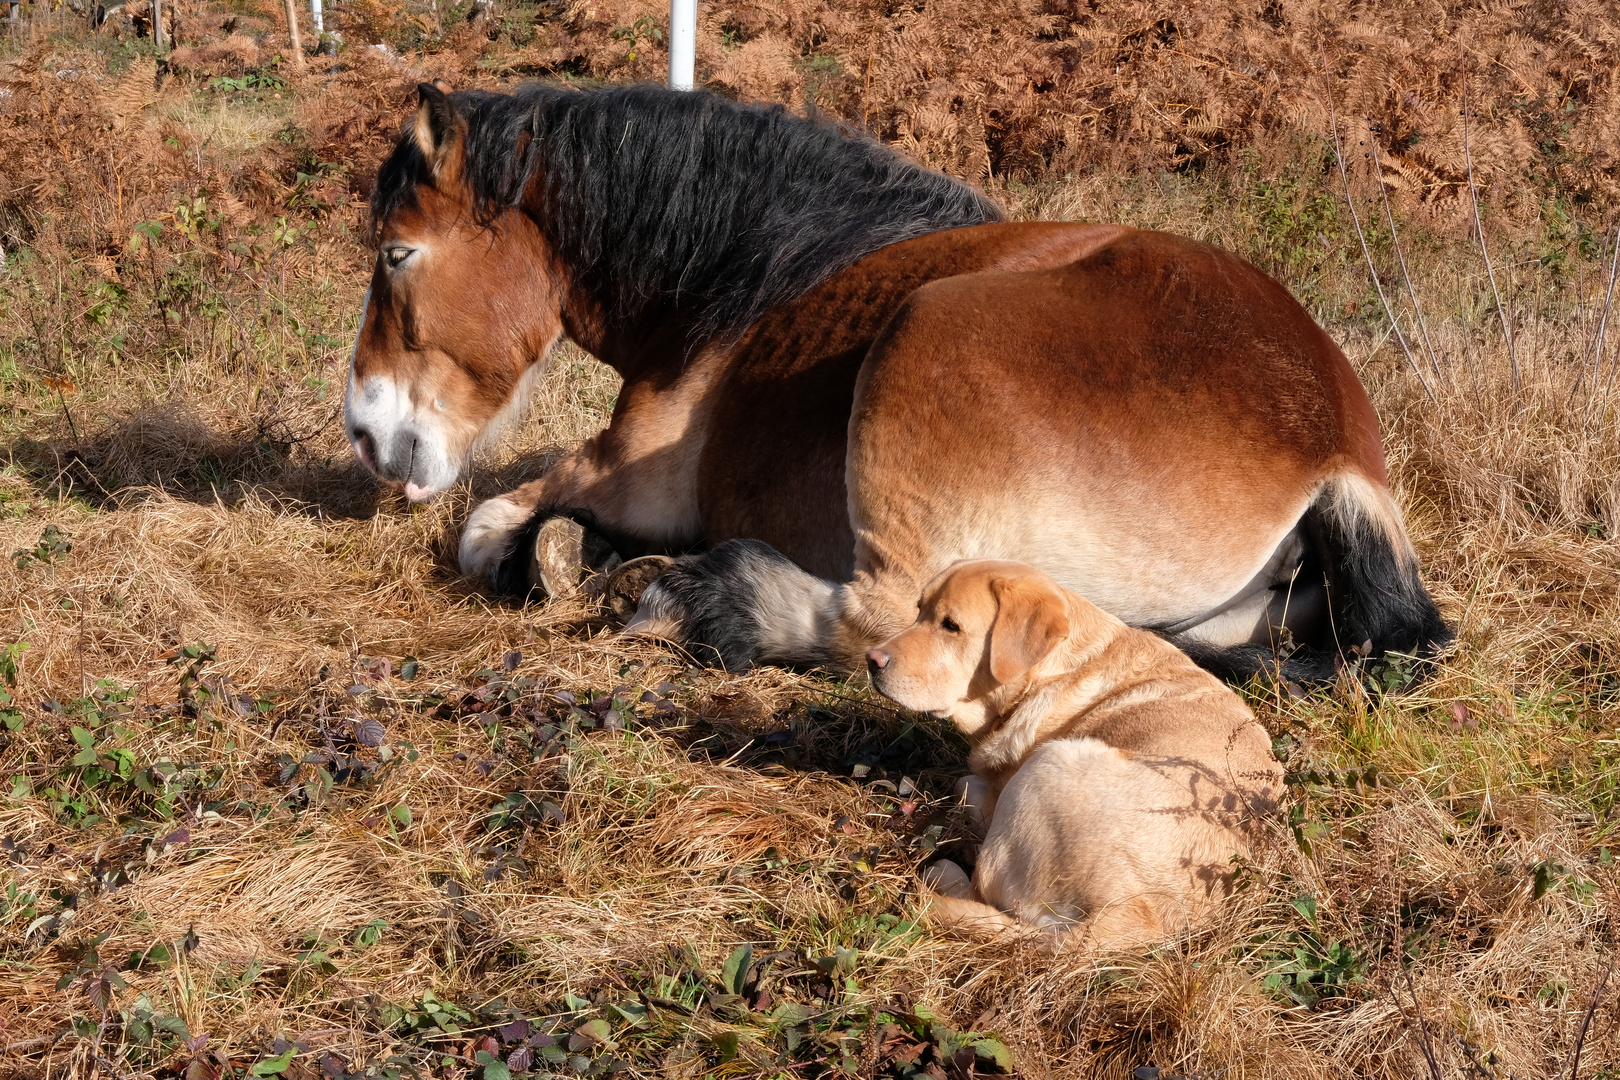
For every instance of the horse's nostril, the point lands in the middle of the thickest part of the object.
(878, 659)
(366, 447)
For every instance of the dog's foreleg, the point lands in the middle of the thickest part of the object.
(977, 798)
(947, 879)
(970, 916)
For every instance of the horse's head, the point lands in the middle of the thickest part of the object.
(462, 309)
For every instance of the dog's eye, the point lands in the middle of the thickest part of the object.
(949, 626)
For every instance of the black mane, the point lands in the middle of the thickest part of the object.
(669, 204)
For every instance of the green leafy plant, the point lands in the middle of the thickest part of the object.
(53, 546)
(275, 1066)
(1309, 966)
(19, 905)
(371, 933)
(11, 717)
(1549, 876)
(429, 1014)
(317, 952)
(191, 659)
(262, 78)
(644, 29)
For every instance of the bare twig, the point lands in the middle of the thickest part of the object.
(1479, 229)
(1477, 1069)
(1350, 200)
(61, 397)
(1425, 1043)
(1603, 326)
(1406, 275)
(1586, 1020)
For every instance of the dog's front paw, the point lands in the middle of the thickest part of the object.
(947, 879)
(491, 536)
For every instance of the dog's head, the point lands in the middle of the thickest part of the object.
(980, 626)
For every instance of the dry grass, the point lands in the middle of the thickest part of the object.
(1440, 878)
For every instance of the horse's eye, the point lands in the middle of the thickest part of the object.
(949, 626)
(397, 255)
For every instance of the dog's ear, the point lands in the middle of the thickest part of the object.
(1030, 620)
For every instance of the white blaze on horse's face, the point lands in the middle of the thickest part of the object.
(400, 439)
(457, 323)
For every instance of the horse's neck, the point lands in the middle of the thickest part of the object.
(635, 351)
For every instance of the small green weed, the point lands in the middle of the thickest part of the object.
(643, 30)
(54, 545)
(1307, 967)
(259, 79)
(11, 717)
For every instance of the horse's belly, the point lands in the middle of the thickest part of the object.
(1151, 560)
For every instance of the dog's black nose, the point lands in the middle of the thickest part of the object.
(877, 659)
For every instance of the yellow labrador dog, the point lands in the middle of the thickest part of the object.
(1111, 774)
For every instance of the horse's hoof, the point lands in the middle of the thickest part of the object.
(565, 553)
(620, 589)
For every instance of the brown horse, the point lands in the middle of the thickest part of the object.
(843, 373)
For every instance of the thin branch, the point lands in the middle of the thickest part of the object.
(1406, 275)
(1479, 229)
(1586, 1021)
(1477, 1069)
(1338, 153)
(1603, 326)
(1425, 1044)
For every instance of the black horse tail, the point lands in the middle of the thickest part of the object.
(1376, 597)
(1374, 591)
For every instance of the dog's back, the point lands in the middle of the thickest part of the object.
(1084, 832)
(1142, 696)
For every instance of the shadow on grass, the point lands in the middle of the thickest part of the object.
(300, 462)
(831, 732)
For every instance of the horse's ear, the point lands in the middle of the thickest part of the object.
(438, 132)
(1031, 618)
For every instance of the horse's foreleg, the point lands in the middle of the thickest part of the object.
(744, 603)
(598, 504)
(536, 535)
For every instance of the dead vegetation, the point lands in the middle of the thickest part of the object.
(280, 795)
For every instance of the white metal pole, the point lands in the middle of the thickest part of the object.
(315, 16)
(682, 43)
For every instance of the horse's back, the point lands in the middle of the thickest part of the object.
(1141, 334)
